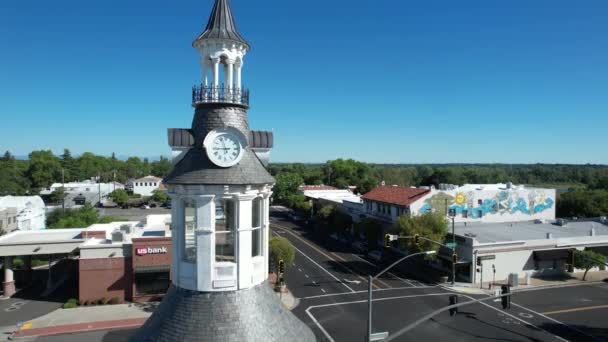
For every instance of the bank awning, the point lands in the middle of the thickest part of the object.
(551, 254)
(152, 269)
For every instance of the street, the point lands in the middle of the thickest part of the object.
(331, 283)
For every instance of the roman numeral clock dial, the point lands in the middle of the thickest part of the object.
(224, 147)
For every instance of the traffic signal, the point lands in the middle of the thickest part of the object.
(453, 300)
(281, 266)
(454, 258)
(505, 300)
(387, 240)
(416, 238)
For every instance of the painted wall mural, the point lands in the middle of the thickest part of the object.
(474, 206)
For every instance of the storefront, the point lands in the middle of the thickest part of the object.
(131, 266)
(151, 268)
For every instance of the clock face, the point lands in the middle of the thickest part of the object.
(224, 148)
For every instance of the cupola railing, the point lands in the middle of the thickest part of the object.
(219, 94)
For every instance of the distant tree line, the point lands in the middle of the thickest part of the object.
(43, 168)
(583, 188)
(18, 177)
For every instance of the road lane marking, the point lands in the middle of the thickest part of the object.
(390, 273)
(556, 321)
(306, 275)
(323, 290)
(365, 291)
(584, 308)
(320, 326)
(321, 267)
(517, 318)
(322, 253)
(299, 269)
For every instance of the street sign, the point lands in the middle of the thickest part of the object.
(451, 244)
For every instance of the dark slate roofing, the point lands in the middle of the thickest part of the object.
(261, 139)
(180, 137)
(254, 314)
(221, 24)
(196, 168)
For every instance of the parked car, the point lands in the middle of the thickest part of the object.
(375, 255)
(334, 236)
(144, 206)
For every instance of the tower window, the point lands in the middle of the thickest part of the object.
(189, 228)
(225, 227)
(256, 224)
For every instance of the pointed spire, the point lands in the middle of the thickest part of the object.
(221, 24)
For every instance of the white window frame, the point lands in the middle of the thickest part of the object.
(259, 228)
(234, 231)
(185, 256)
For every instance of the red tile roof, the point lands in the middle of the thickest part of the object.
(395, 195)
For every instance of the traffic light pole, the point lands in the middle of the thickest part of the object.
(371, 336)
(453, 252)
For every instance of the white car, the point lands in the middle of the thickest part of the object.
(375, 255)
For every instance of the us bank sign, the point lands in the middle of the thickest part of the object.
(150, 250)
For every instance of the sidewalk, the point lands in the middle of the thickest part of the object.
(85, 319)
(288, 299)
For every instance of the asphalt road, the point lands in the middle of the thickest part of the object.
(337, 311)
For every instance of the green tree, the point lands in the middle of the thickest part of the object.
(286, 184)
(44, 169)
(371, 229)
(583, 203)
(160, 196)
(588, 259)
(281, 249)
(120, 197)
(8, 156)
(430, 226)
(58, 195)
(162, 167)
(73, 218)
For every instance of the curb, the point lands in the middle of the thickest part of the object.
(80, 328)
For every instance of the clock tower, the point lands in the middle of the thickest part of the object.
(220, 192)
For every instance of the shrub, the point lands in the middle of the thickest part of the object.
(101, 301)
(17, 263)
(71, 303)
(114, 300)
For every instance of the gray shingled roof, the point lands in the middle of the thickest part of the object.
(254, 314)
(221, 24)
(196, 168)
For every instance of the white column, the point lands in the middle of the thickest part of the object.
(8, 269)
(176, 240)
(244, 260)
(239, 66)
(216, 76)
(205, 217)
(230, 78)
(204, 71)
(266, 222)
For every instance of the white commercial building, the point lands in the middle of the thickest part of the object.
(29, 212)
(493, 251)
(470, 203)
(145, 186)
(88, 191)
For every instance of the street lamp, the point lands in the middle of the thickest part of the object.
(382, 335)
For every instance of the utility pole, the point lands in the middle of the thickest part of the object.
(371, 336)
(99, 188)
(454, 252)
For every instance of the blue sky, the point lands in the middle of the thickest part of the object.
(379, 81)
